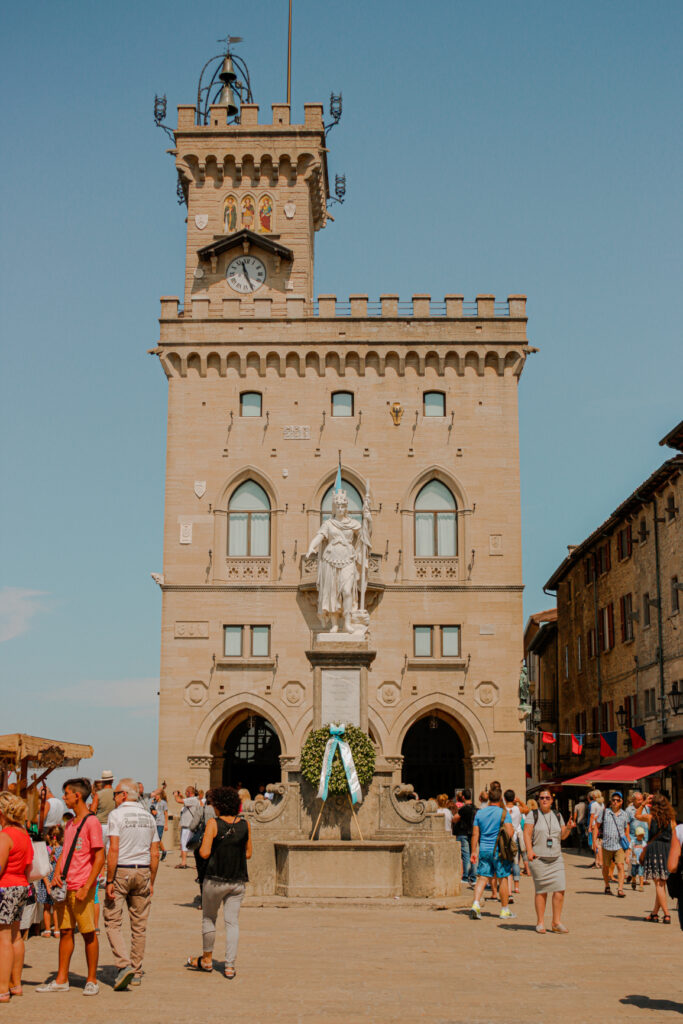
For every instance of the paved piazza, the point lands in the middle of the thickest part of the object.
(399, 962)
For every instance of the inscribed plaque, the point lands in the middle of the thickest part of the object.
(340, 697)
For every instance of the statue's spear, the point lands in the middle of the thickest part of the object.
(366, 534)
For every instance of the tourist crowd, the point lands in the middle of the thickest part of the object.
(106, 840)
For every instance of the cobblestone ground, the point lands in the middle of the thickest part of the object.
(395, 962)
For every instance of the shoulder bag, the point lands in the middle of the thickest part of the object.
(58, 893)
(507, 847)
(623, 841)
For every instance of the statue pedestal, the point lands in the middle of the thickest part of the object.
(340, 680)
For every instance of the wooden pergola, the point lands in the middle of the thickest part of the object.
(20, 753)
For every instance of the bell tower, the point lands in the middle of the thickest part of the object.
(256, 194)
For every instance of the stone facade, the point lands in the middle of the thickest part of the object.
(296, 354)
(625, 623)
(541, 656)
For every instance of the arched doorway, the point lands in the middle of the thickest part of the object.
(433, 757)
(252, 755)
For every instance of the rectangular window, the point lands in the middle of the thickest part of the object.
(650, 703)
(579, 653)
(434, 403)
(450, 641)
(250, 403)
(624, 543)
(671, 510)
(566, 661)
(260, 641)
(626, 613)
(587, 571)
(233, 641)
(604, 562)
(591, 643)
(606, 627)
(342, 403)
(607, 716)
(642, 531)
(422, 641)
(675, 595)
(646, 610)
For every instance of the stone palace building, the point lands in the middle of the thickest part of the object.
(269, 389)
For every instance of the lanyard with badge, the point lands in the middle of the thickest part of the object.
(549, 839)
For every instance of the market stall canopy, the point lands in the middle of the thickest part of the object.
(19, 751)
(631, 769)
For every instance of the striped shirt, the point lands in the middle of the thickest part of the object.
(613, 828)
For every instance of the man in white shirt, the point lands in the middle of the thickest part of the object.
(55, 809)
(189, 818)
(132, 863)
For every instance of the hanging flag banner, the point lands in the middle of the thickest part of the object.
(577, 743)
(548, 737)
(335, 740)
(608, 744)
(637, 734)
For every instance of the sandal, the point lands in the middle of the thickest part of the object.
(666, 919)
(608, 890)
(230, 972)
(47, 934)
(653, 917)
(540, 928)
(18, 991)
(4, 997)
(621, 894)
(196, 963)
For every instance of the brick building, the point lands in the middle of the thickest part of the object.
(619, 627)
(266, 386)
(541, 656)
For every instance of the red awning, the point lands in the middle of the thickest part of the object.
(637, 766)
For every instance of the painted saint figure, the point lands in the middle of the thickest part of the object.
(248, 212)
(230, 214)
(265, 214)
(338, 565)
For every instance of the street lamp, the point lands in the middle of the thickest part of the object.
(675, 697)
(621, 716)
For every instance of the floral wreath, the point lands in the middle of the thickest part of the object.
(362, 750)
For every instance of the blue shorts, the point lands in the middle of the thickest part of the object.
(490, 865)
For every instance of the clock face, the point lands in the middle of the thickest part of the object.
(246, 274)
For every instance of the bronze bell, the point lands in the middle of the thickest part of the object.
(227, 74)
(227, 99)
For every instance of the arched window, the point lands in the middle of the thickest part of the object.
(434, 403)
(250, 403)
(342, 403)
(355, 502)
(249, 521)
(435, 522)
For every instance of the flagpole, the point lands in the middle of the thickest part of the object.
(289, 57)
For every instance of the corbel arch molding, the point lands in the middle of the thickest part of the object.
(237, 478)
(435, 472)
(213, 730)
(466, 723)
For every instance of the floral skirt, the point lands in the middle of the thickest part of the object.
(655, 861)
(12, 901)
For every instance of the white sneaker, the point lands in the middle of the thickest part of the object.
(506, 914)
(475, 912)
(91, 989)
(52, 986)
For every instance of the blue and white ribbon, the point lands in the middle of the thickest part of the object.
(335, 741)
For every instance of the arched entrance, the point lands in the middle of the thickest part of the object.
(252, 755)
(433, 757)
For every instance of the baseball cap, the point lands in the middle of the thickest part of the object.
(617, 792)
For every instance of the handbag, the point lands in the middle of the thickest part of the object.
(58, 892)
(41, 862)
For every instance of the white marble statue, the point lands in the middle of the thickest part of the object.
(344, 547)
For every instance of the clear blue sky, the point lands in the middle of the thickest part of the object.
(527, 147)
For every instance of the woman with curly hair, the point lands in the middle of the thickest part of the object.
(659, 815)
(226, 847)
(16, 858)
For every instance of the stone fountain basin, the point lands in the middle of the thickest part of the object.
(334, 867)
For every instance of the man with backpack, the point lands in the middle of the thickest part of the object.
(493, 850)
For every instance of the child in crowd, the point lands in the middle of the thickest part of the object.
(638, 844)
(55, 838)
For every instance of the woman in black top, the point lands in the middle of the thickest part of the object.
(226, 847)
